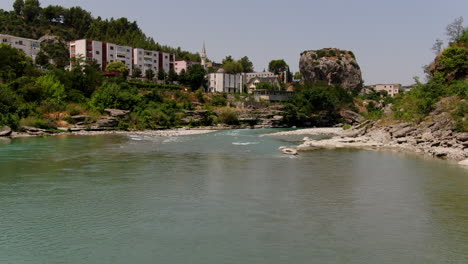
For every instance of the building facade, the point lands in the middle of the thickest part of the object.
(146, 60)
(103, 53)
(224, 82)
(30, 47)
(183, 65)
(391, 89)
(248, 76)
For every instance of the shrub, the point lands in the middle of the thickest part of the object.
(346, 126)
(35, 122)
(228, 116)
(110, 95)
(219, 100)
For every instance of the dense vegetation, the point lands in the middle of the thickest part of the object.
(28, 19)
(317, 105)
(448, 78)
(46, 98)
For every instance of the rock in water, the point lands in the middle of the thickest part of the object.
(5, 131)
(334, 66)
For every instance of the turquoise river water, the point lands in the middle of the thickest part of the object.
(225, 197)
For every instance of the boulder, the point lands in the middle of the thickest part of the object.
(116, 112)
(334, 66)
(5, 131)
(80, 118)
(463, 163)
(351, 117)
(462, 137)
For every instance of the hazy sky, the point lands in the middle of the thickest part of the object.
(391, 39)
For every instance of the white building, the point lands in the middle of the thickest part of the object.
(248, 76)
(101, 52)
(224, 82)
(154, 60)
(104, 53)
(30, 47)
(146, 60)
(391, 89)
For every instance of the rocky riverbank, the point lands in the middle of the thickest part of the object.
(429, 138)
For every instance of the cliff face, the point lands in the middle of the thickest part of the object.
(334, 66)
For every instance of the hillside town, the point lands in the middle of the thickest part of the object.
(148, 63)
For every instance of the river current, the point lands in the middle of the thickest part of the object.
(225, 197)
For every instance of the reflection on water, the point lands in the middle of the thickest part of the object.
(226, 197)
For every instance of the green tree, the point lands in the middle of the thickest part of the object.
(136, 73)
(247, 65)
(233, 67)
(278, 66)
(31, 10)
(51, 89)
(18, 6)
(297, 76)
(149, 74)
(13, 63)
(162, 74)
(228, 59)
(172, 76)
(118, 66)
(182, 77)
(195, 77)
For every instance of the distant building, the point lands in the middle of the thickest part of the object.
(183, 65)
(224, 82)
(146, 60)
(391, 89)
(30, 47)
(253, 82)
(154, 60)
(104, 53)
(250, 75)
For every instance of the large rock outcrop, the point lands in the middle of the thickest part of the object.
(334, 66)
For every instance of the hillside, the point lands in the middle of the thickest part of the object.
(30, 20)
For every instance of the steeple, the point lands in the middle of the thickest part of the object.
(203, 56)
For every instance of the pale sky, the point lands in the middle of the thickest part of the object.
(391, 39)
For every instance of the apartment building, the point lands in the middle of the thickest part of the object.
(30, 47)
(391, 89)
(224, 82)
(102, 52)
(183, 65)
(154, 60)
(146, 60)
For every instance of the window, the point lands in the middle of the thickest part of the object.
(111, 48)
(97, 52)
(128, 50)
(5, 40)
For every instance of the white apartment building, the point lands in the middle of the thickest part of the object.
(391, 89)
(30, 47)
(154, 60)
(146, 60)
(102, 52)
(224, 82)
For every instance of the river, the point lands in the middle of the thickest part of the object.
(225, 197)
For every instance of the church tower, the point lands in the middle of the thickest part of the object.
(203, 56)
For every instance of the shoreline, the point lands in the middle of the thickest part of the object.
(158, 133)
(376, 140)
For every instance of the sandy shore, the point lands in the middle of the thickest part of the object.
(319, 131)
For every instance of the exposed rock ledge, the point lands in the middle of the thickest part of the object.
(431, 138)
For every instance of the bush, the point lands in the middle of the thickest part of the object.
(219, 100)
(35, 122)
(110, 95)
(228, 116)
